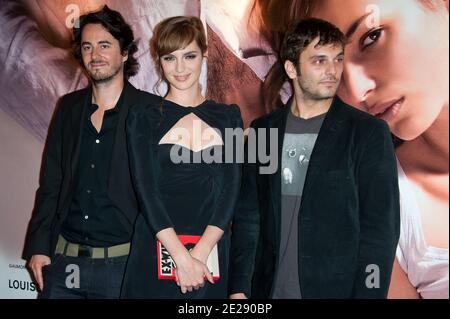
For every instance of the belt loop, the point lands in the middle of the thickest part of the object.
(106, 252)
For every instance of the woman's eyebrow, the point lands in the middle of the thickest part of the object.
(355, 25)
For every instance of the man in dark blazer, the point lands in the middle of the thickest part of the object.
(326, 223)
(78, 239)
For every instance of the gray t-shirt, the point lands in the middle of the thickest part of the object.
(299, 140)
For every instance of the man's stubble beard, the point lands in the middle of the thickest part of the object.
(309, 94)
(104, 78)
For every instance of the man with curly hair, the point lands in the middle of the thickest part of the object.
(78, 238)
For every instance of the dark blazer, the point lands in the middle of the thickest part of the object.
(349, 216)
(59, 164)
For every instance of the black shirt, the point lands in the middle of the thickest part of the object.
(93, 219)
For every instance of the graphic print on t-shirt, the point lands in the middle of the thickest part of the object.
(297, 150)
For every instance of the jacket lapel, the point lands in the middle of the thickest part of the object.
(130, 98)
(278, 122)
(78, 112)
(325, 141)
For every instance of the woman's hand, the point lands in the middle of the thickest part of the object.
(239, 295)
(191, 273)
(200, 253)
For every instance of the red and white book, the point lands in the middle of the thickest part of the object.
(166, 265)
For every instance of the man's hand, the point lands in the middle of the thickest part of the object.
(36, 264)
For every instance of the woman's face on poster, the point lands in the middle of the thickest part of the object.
(396, 64)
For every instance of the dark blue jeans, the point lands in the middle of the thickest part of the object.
(83, 278)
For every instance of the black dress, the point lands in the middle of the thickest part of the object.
(186, 196)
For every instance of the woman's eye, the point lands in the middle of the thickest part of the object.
(168, 58)
(191, 56)
(370, 38)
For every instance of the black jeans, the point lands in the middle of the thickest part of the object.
(83, 278)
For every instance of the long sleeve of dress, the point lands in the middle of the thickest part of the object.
(144, 168)
(225, 205)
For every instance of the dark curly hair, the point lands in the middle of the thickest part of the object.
(115, 24)
(302, 32)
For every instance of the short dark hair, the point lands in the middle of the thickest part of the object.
(115, 24)
(302, 32)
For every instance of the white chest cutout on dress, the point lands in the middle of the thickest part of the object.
(192, 133)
